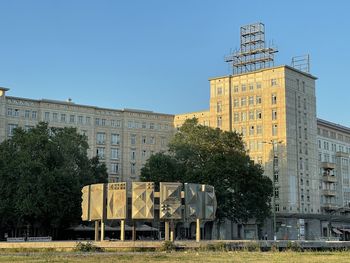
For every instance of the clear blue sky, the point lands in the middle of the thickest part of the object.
(158, 55)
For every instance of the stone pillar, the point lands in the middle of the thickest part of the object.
(122, 230)
(102, 230)
(198, 230)
(96, 230)
(166, 227)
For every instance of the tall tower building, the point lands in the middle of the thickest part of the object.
(274, 108)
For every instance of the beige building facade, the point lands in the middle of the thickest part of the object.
(275, 110)
(123, 139)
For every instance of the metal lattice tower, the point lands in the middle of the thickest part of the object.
(301, 63)
(253, 53)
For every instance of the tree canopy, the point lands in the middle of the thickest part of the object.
(200, 154)
(42, 172)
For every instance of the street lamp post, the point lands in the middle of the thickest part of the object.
(274, 177)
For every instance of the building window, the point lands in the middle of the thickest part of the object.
(243, 101)
(143, 154)
(114, 153)
(144, 139)
(100, 152)
(219, 91)
(219, 122)
(251, 115)
(72, 118)
(63, 117)
(152, 140)
(235, 89)
(273, 82)
(274, 114)
(114, 168)
(274, 130)
(9, 111)
(133, 155)
(103, 122)
(277, 192)
(144, 125)
(133, 139)
(27, 114)
(88, 120)
(151, 126)
(258, 129)
(115, 139)
(251, 86)
(34, 115)
(305, 133)
(10, 129)
(219, 106)
(47, 116)
(244, 131)
(100, 137)
(97, 121)
(277, 207)
(274, 99)
(133, 168)
(162, 141)
(16, 113)
(258, 100)
(80, 119)
(251, 130)
(258, 85)
(251, 100)
(258, 115)
(235, 103)
(55, 116)
(244, 116)
(244, 87)
(236, 117)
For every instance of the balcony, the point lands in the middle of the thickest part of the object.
(341, 154)
(327, 165)
(329, 178)
(328, 192)
(329, 206)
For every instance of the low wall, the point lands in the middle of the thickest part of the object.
(234, 244)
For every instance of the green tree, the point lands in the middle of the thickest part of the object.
(42, 172)
(200, 154)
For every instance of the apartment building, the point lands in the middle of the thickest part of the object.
(123, 139)
(275, 110)
(333, 143)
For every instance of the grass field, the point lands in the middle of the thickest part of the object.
(192, 256)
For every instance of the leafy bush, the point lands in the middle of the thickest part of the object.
(87, 247)
(168, 246)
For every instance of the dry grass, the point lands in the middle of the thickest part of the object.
(192, 256)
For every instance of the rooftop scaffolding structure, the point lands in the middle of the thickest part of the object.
(253, 53)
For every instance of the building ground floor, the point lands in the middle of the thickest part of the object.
(288, 227)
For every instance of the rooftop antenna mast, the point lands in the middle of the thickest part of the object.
(253, 53)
